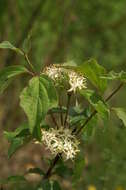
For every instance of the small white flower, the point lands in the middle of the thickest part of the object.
(76, 81)
(53, 72)
(60, 141)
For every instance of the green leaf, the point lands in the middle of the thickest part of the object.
(16, 178)
(46, 185)
(78, 115)
(63, 170)
(121, 113)
(97, 102)
(21, 131)
(37, 99)
(115, 76)
(13, 179)
(16, 143)
(89, 130)
(51, 91)
(77, 120)
(78, 168)
(27, 44)
(93, 71)
(7, 74)
(36, 171)
(50, 185)
(17, 138)
(8, 45)
(55, 186)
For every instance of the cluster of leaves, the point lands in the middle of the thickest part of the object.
(40, 97)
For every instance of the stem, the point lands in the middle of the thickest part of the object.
(61, 115)
(31, 73)
(28, 61)
(94, 112)
(48, 173)
(114, 92)
(85, 123)
(68, 105)
(54, 120)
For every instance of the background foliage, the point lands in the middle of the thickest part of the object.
(68, 31)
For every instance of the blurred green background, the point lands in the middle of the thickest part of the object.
(60, 31)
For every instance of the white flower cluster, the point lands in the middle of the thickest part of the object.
(53, 72)
(61, 141)
(76, 81)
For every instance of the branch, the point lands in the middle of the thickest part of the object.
(94, 112)
(28, 61)
(114, 92)
(68, 105)
(47, 175)
(54, 120)
(61, 114)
